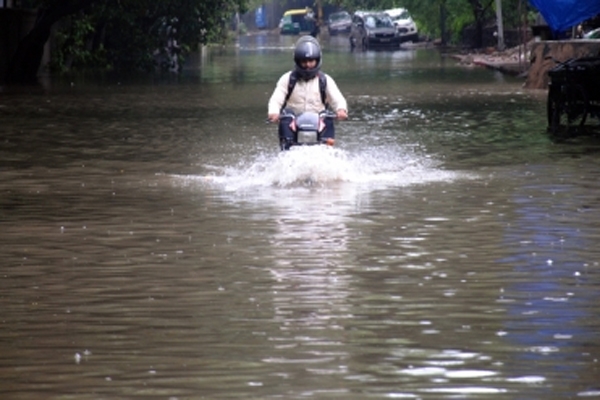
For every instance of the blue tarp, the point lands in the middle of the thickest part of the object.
(260, 17)
(561, 15)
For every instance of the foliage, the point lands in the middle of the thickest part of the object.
(366, 4)
(71, 45)
(141, 34)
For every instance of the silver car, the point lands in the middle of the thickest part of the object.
(339, 22)
(373, 29)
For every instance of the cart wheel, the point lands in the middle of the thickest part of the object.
(567, 108)
(552, 107)
(556, 106)
(578, 106)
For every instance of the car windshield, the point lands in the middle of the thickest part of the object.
(595, 34)
(339, 17)
(378, 21)
(403, 15)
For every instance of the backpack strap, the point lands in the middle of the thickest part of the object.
(291, 84)
(322, 88)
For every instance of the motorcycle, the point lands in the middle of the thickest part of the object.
(307, 128)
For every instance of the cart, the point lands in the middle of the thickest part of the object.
(573, 94)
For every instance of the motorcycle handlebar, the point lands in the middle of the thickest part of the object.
(324, 114)
(328, 114)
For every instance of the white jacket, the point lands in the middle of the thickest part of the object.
(306, 96)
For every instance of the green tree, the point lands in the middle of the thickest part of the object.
(120, 34)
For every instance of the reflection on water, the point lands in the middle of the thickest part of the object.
(552, 312)
(158, 245)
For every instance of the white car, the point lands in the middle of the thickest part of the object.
(594, 34)
(407, 29)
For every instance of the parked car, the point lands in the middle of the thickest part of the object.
(296, 21)
(405, 25)
(373, 29)
(339, 22)
(593, 34)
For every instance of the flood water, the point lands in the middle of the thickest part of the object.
(157, 245)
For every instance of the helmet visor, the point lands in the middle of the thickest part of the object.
(307, 62)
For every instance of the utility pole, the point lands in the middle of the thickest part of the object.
(499, 25)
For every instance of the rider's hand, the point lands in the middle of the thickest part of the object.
(273, 117)
(342, 114)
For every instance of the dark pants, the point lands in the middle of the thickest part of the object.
(286, 136)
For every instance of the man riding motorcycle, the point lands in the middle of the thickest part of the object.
(305, 88)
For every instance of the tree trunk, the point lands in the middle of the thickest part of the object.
(443, 20)
(479, 12)
(24, 65)
(479, 34)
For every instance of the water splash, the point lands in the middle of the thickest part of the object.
(318, 166)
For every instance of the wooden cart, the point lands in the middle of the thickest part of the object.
(573, 94)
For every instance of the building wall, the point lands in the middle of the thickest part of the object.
(562, 50)
(14, 25)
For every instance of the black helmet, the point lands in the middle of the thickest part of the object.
(307, 48)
